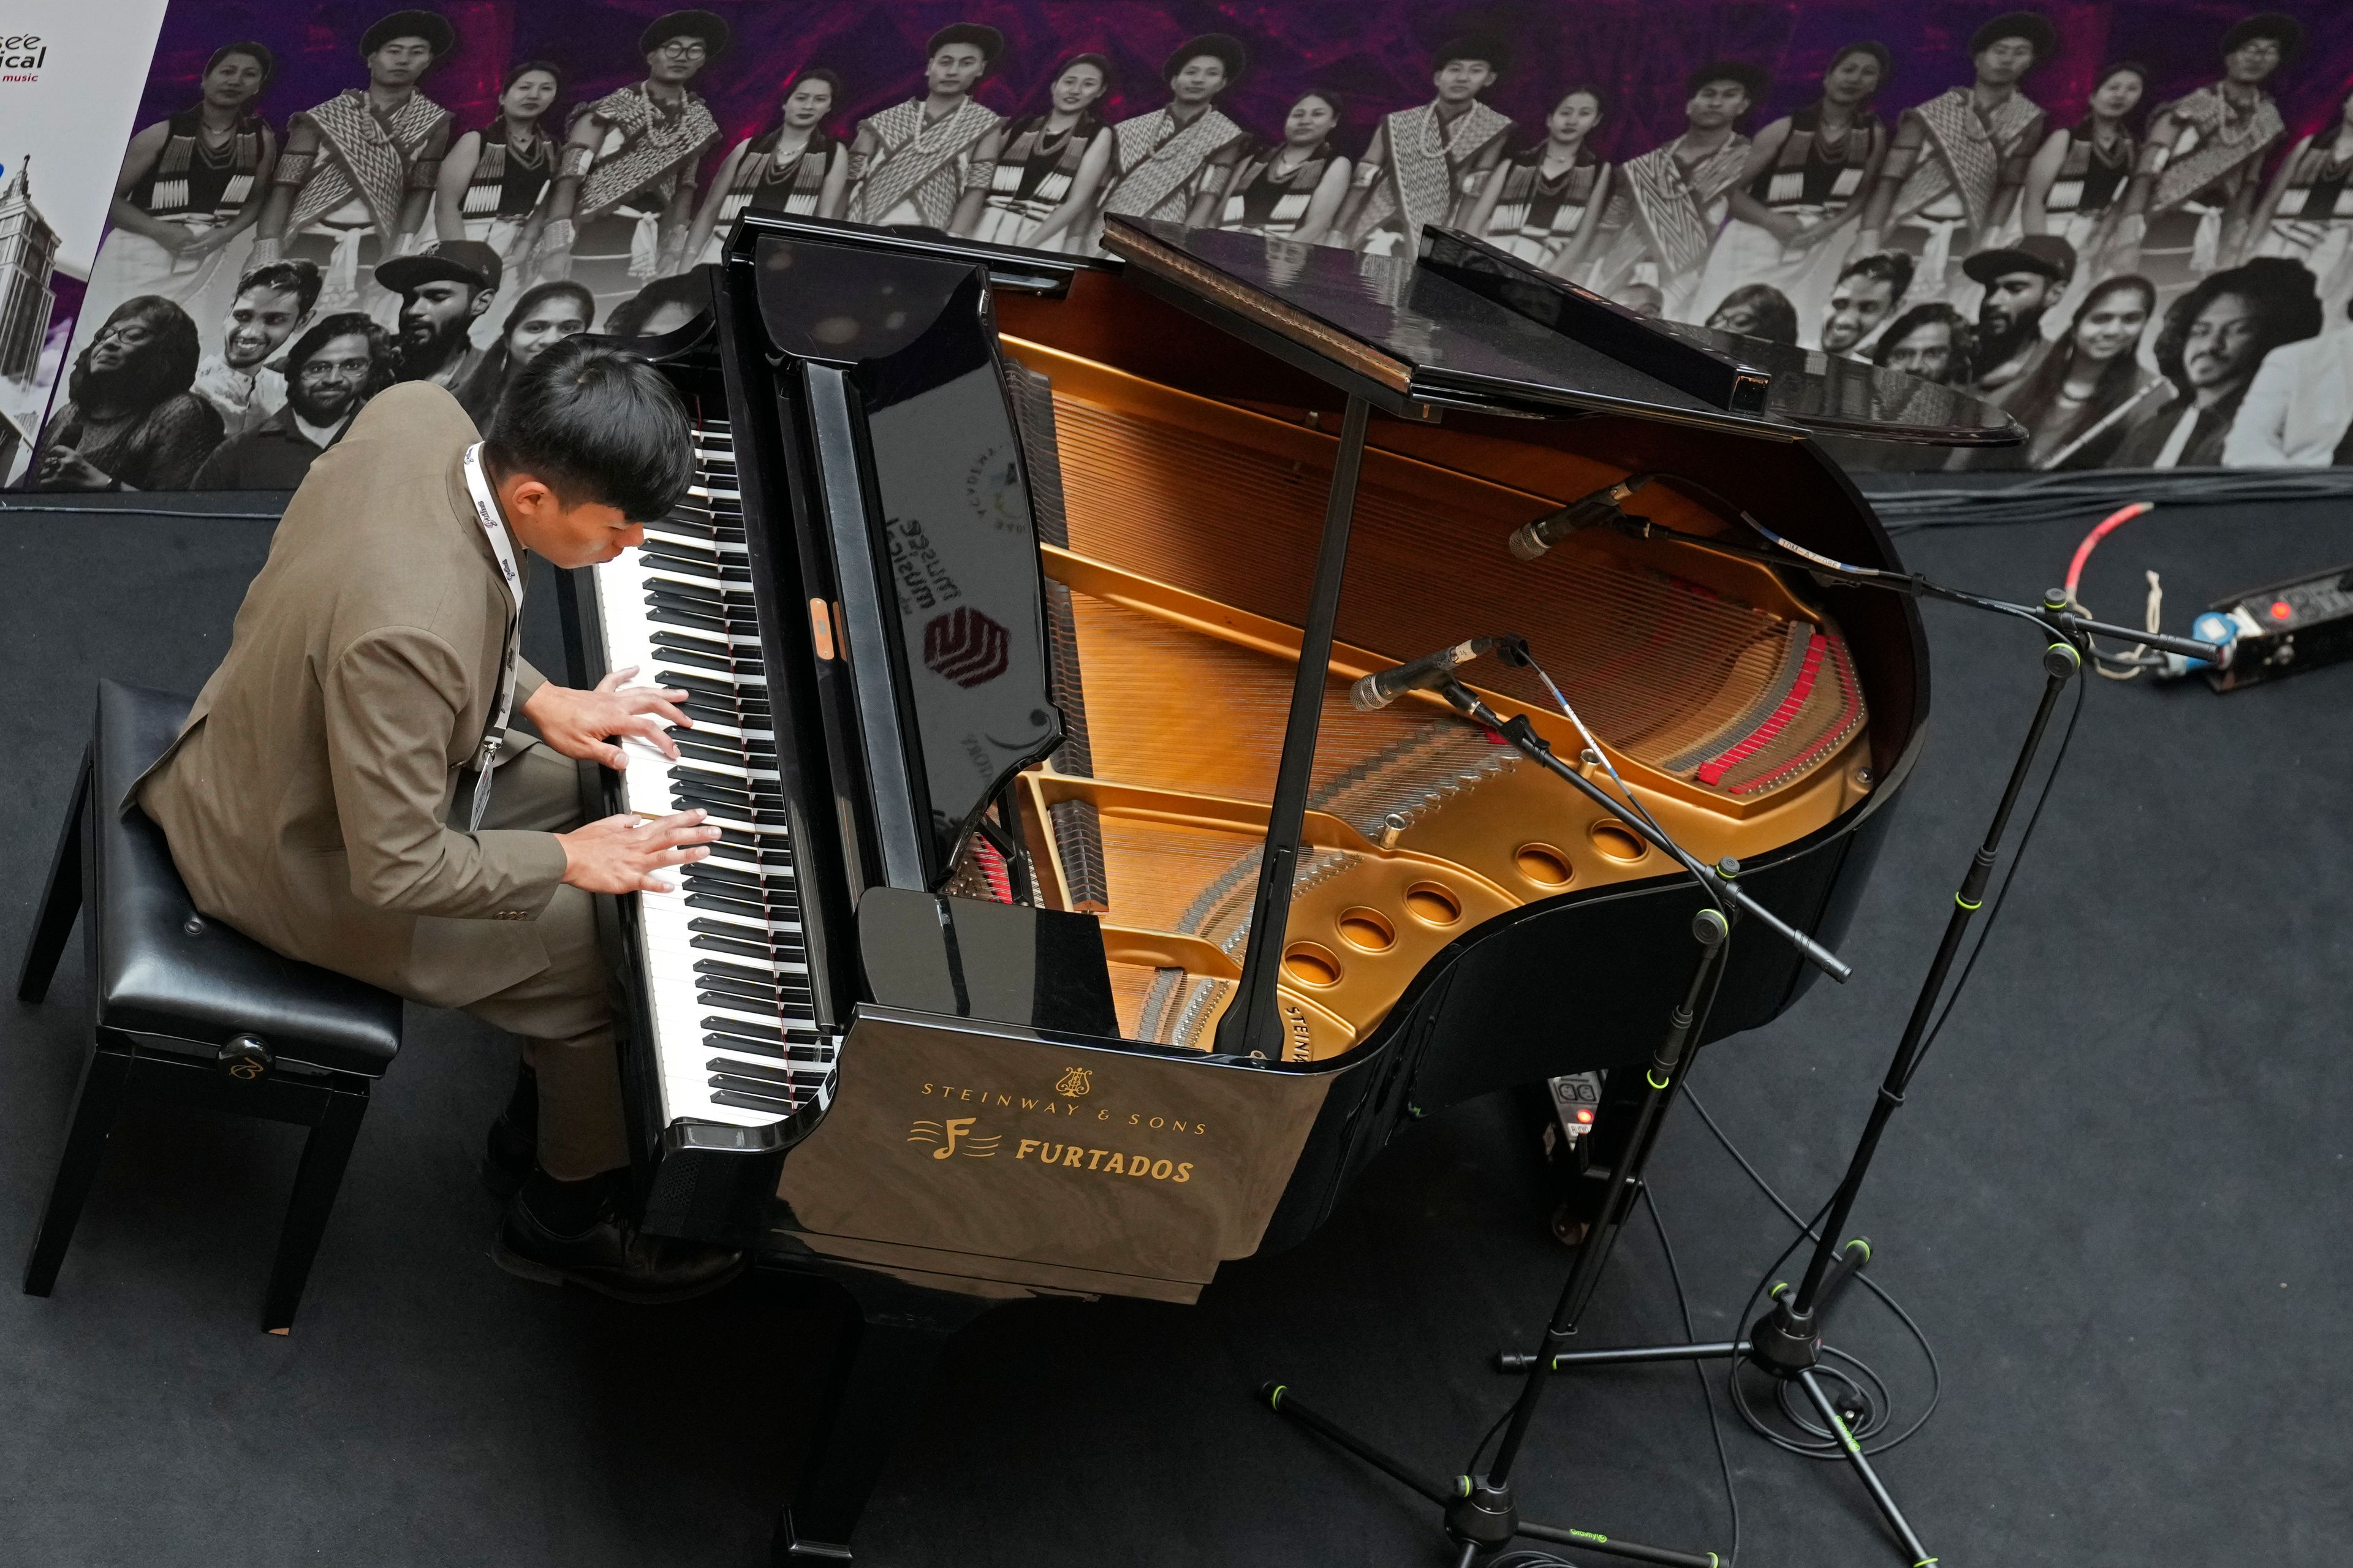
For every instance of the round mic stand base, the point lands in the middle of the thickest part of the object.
(1785, 1343)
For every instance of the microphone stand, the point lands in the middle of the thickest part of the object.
(1479, 1509)
(1785, 1342)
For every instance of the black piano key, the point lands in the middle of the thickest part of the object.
(771, 903)
(702, 686)
(743, 994)
(754, 1103)
(728, 944)
(779, 946)
(690, 642)
(681, 618)
(746, 1030)
(713, 748)
(714, 713)
(714, 877)
(733, 971)
(708, 661)
(718, 905)
(755, 1077)
(726, 617)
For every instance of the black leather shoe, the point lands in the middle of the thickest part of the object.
(508, 1157)
(613, 1258)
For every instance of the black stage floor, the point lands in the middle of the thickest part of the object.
(2111, 1204)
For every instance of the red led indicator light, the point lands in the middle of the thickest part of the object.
(2282, 609)
(1584, 1116)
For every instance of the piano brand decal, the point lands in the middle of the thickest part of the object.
(924, 581)
(960, 1136)
(965, 646)
(953, 1137)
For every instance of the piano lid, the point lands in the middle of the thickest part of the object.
(1480, 330)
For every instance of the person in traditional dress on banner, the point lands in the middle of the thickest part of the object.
(1544, 204)
(1672, 199)
(2307, 214)
(796, 168)
(1791, 218)
(1035, 162)
(1161, 161)
(1289, 189)
(2076, 178)
(1424, 164)
(353, 185)
(2191, 200)
(495, 180)
(191, 189)
(917, 164)
(1950, 180)
(623, 199)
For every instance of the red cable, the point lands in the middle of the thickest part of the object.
(2108, 525)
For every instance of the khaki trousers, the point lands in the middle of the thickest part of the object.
(562, 1012)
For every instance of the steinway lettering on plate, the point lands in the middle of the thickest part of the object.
(1076, 1080)
(924, 581)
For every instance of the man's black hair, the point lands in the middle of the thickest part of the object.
(598, 425)
(299, 278)
(630, 317)
(1892, 268)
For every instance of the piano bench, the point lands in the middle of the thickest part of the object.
(185, 1011)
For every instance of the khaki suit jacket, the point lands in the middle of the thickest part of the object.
(307, 800)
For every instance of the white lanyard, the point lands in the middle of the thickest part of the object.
(485, 511)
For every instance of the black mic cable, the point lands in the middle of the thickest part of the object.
(1531, 539)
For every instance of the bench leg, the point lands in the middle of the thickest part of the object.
(62, 900)
(105, 1086)
(325, 1154)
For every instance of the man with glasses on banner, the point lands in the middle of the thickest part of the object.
(2188, 208)
(624, 184)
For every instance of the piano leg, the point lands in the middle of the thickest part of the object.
(893, 1340)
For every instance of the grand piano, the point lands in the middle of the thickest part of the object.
(1072, 933)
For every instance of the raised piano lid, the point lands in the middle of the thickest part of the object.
(1476, 329)
(953, 561)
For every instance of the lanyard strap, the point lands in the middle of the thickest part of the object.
(486, 511)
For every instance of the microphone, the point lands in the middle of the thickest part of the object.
(1533, 539)
(1385, 687)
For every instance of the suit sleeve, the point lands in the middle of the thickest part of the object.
(528, 679)
(391, 706)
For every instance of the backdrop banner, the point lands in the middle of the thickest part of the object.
(2129, 222)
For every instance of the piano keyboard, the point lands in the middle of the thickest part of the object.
(727, 981)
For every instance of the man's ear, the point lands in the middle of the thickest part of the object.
(482, 301)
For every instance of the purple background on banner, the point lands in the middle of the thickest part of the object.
(1372, 51)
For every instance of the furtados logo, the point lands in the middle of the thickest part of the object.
(21, 56)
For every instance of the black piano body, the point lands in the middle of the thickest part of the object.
(1027, 1089)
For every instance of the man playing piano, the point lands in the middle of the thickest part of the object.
(326, 796)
